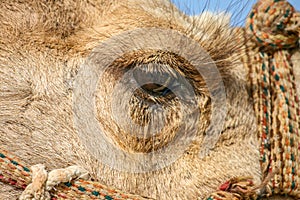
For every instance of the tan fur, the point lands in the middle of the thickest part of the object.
(42, 45)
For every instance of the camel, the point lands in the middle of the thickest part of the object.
(142, 97)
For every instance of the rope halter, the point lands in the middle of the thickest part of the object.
(274, 24)
(275, 27)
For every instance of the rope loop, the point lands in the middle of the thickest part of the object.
(36, 189)
(274, 24)
(239, 188)
(66, 183)
(275, 27)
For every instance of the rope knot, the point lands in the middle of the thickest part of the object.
(36, 189)
(43, 182)
(274, 24)
(239, 188)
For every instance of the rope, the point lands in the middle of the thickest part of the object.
(15, 173)
(274, 90)
(274, 27)
(274, 24)
(235, 189)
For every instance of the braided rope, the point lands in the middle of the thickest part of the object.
(235, 189)
(14, 172)
(274, 26)
(276, 115)
(275, 90)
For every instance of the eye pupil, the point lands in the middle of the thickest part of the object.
(156, 89)
(166, 91)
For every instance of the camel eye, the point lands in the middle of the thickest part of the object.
(158, 80)
(156, 89)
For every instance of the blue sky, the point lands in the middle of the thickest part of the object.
(238, 8)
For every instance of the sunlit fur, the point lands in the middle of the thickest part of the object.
(42, 45)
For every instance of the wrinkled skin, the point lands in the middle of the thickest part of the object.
(43, 45)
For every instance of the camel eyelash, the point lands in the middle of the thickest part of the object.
(162, 81)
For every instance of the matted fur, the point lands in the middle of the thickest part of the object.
(43, 43)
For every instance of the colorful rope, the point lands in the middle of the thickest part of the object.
(14, 173)
(274, 27)
(235, 189)
(274, 24)
(274, 90)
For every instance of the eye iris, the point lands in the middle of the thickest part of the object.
(156, 89)
(166, 91)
